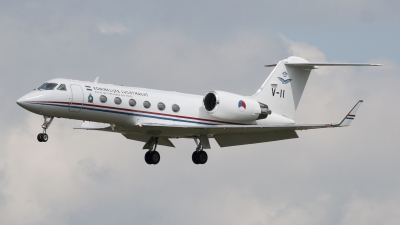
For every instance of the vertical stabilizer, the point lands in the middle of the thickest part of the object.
(284, 86)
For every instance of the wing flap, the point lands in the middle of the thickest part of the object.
(228, 140)
(144, 138)
(88, 125)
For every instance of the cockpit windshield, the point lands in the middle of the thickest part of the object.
(47, 86)
(62, 87)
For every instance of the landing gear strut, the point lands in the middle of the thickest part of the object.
(152, 156)
(199, 156)
(43, 137)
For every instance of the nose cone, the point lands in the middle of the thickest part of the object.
(22, 101)
(28, 101)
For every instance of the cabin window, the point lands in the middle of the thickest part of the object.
(175, 108)
(103, 99)
(117, 100)
(48, 86)
(132, 102)
(146, 104)
(62, 87)
(161, 106)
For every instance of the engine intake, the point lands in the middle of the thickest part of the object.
(235, 107)
(210, 101)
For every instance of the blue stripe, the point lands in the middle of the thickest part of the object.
(129, 114)
(350, 118)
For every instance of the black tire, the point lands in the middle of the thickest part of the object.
(195, 157)
(202, 157)
(154, 157)
(40, 137)
(45, 137)
(147, 157)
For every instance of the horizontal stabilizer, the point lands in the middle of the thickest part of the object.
(331, 64)
(325, 64)
(270, 65)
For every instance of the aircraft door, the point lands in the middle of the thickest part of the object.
(76, 98)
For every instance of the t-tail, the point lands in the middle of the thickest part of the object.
(283, 88)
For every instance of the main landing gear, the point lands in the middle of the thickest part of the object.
(152, 156)
(43, 137)
(199, 156)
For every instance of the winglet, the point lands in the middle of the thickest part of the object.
(350, 116)
(96, 80)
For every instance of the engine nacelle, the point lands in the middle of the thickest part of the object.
(230, 106)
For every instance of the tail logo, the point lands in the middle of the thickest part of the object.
(284, 81)
(241, 105)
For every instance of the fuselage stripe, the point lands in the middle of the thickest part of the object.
(135, 113)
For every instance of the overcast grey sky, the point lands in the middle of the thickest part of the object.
(334, 176)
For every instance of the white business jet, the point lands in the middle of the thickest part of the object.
(154, 116)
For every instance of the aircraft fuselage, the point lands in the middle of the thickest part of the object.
(81, 101)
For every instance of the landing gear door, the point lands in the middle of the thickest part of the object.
(76, 98)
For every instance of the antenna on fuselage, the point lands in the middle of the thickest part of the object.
(96, 80)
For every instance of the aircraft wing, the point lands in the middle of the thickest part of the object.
(231, 135)
(225, 135)
(234, 135)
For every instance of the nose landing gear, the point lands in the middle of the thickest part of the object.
(43, 137)
(199, 156)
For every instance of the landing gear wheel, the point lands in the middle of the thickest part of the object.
(194, 157)
(199, 157)
(40, 137)
(154, 157)
(202, 157)
(45, 137)
(147, 158)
